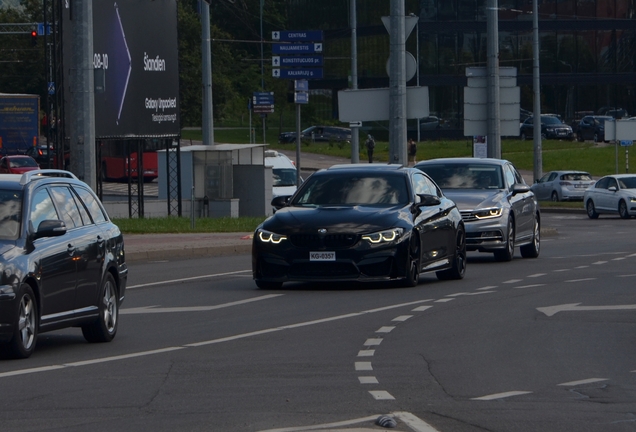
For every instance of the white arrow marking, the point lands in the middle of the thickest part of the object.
(551, 310)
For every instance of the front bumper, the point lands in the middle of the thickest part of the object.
(486, 235)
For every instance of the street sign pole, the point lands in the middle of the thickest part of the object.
(298, 145)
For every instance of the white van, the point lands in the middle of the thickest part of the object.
(284, 172)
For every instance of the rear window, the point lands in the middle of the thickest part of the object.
(577, 177)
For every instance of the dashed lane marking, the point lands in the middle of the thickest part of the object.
(444, 300)
(385, 329)
(501, 395)
(403, 318)
(421, 308)
(368, 380)
(187, 279)
(511, 281)
(381, 395)
(529, 286)
(599, 262)
(363, 366)
(486, 288)
(537, 275)
(469, 293)
(373, 342)
(579, 280)
(581, 382)
(366, 353)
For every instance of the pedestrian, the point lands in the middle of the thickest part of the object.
(412, 150)
(370, 146)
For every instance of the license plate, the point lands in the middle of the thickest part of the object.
(322, 256)
(579, 186)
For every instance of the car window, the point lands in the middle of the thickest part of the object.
(627, 183)
(465, 176)
(544, 178)
(422, 185)
(10, 214)
(576, 177)
(612, 183)
(602, 183)
(42, 208)
(350, 190)
(284, 176)
(510, 176)
(92, 205)
(67, 206)
(553, 176)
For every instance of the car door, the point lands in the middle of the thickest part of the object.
(87, 248)
(586, 128)
(611, 197)
(54, 264)
(543, 189)
(522, 204)
(598, 193)
(432, 223)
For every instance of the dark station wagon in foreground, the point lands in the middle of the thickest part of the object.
(361, 223)
(62, 261)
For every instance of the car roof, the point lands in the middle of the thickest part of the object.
(463, 160)
(18, 181)
(619, 176)
(366, 167)
(569, 172)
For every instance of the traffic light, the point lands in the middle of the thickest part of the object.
(34, 37)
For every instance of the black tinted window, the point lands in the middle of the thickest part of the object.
(465, 176)
(67, 206)
(42, 208)
(91, 203)
(10, 214)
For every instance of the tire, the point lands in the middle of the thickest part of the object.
(104, 328)
(458, 268)
(591, 210)
(508, 253)
(412, 277)
(579, 137)
(268, 285)
(622, 210)
(555, 196)
(523, 136)
(595, 138)
(25, 327)
(532, 250)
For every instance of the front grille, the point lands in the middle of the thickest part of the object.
(331, 241)
(468, 216)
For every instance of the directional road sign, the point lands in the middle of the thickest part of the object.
(295, 61)
(301, 85)
(297, 48)
(301, 97)
(297, 73)
(297, 36)
(263, 98)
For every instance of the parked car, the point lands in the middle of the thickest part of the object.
(361, 223)
(592, 128)
(284, 173)
(617, 113)
(551, 128)
(17, 164)
(63, 260)
(318, 134)
(562, 186)
(498, 207)
(612, 194)
(46, 156)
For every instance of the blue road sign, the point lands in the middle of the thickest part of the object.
(263, 98)
(297, 48)
(301, 97)
(41, 29)
(51, 87)
(301, 85)
(296, 61)
(315, 73)
(297, 36)
(626, 143)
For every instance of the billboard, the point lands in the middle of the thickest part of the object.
(19, 122)
(135, 60)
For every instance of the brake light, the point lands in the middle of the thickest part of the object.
(565, 183)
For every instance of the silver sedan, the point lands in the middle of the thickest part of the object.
(562, 186)
(612, 194)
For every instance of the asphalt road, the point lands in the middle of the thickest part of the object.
(544, 344)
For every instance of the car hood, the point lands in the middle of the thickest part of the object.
(470, 199)
(337, 219)
(6, 247)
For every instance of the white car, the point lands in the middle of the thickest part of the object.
(284, 172)
(562, 186)
(612, 194)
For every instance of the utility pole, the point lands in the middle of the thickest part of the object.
(494, 133)
(206, 54)
(82, 83)
(536, 87)
(397, 85)
(355, 138)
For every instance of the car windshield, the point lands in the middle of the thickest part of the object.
(550, 120)
(284, 176)
(465, 176)
(352, 190)
(576, 176)
(10, 214)
(22, 162)
(627, 182)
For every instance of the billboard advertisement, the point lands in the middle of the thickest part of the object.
(135, 60)
(19, 122)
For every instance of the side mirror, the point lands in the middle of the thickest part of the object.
(518, 188)
(428, 200)
(612, 189)
(50, 228)
(280, 201)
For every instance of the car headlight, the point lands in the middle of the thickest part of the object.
(632, 199)
(384, 236)
(270, 237)
(550, 129)
(488, 213)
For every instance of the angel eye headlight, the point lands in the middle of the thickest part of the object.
(489, 213)
(270, 237)
(384, 236)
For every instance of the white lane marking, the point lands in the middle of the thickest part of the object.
(187, 279)
(213, 341)
(529, 286)
(363, 366)
(536, 275)
(579, 280)
(155, 309)
(585, 381)
(444, 300)
(486, 288)
(368, 380)
(561, 270)
(366, 353)
(381, 395)
(416, 424)
(628, 275)
(581, 267)
(373, 342)
(511, 281)
(632, 255)
(421, 308)
(618, 259)
(551, 310)
(385, 329)
(402, 318)
(501, 395)
(469, 293)
(599, 262)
